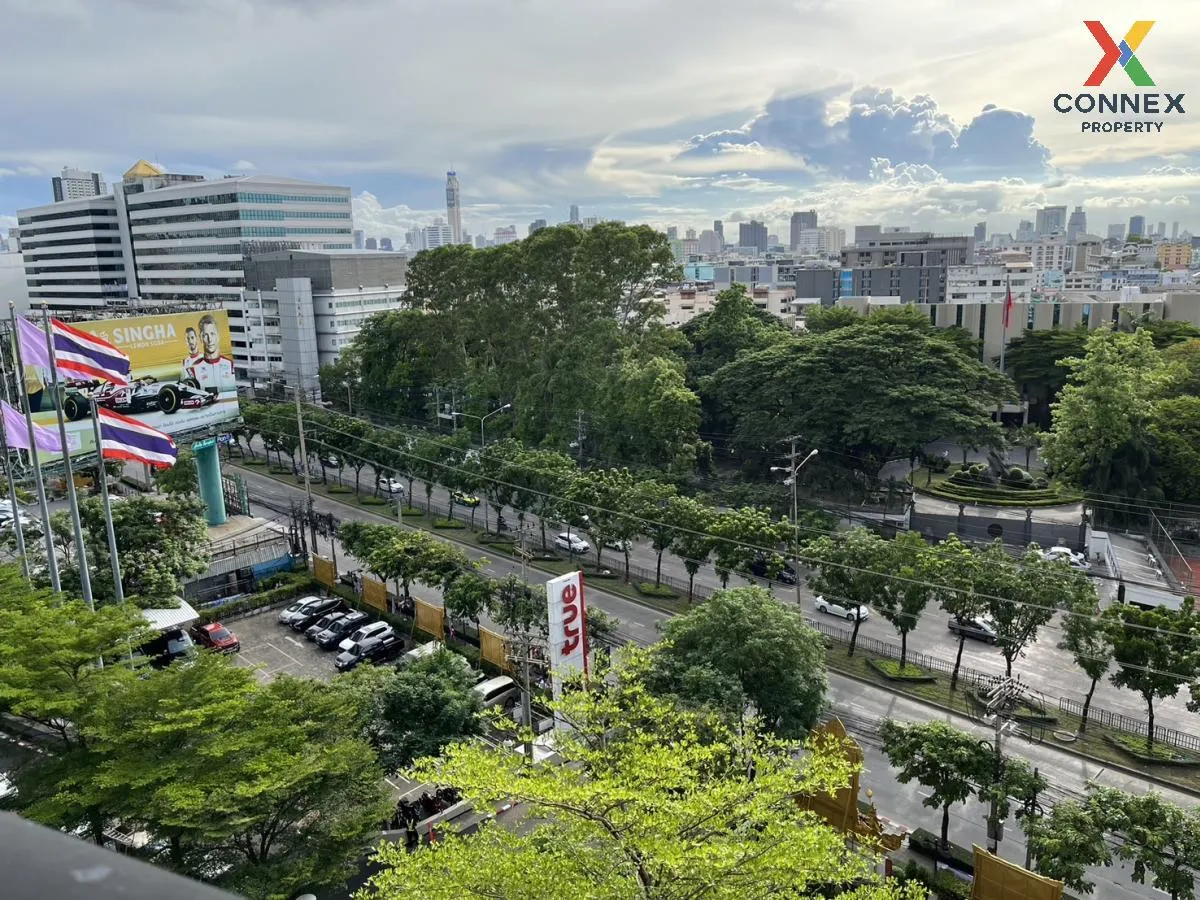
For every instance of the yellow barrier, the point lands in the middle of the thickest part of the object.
(374, 594)
(999, 879)
(493, 649)
(324, 571)
(430, 619)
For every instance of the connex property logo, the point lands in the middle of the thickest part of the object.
(1124, 113)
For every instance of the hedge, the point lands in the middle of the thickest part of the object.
(650, 589)
(1161, 754)
(277, 589)
(926, 843)
(890, 669)
(448, 524)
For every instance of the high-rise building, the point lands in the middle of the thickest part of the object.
(506, 235)
(74, 184)
(1051, 220)
(385, 244)
(753, 234)
(166, 239)
(590, 222)
(672, 232)
(1025, 230)
(1076, 224)
(801, 221)
(453, 208)
(1116, 232)
(690, 235)
(980, 233)
(537, 225)
(359, 241)
(1137, 227)
(709, 243)
(719, 228)
(1174, 231)
(574, 220)
(371, 244)
(436, 235)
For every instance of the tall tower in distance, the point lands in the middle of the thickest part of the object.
(453, 208)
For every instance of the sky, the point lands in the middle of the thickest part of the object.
(930, 114)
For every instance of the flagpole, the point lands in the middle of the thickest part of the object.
(1004, 319)
(35, 461)
(118, 590)
(85, 577)
(12, 498)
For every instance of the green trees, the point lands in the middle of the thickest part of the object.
(655, 802)
(954, 568)
(1033, 361)
(1086, 637)
(949, 762)
(886, 390)
(1013, 599)
(180, 479)
(903, 596)
(692, 542)
(1067, 841)
(845, 570)
(1155, 652)
(737, 533)
(743, 646)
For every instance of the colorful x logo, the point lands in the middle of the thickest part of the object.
(1120, 53)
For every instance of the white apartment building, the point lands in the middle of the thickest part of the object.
(302, 309)
(822, 241)
(1046, 252)
(75, 184)
(439, 234)
(991, 283)
(684, 304)
(506, 235)
(74, 254)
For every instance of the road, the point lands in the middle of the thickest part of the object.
(860, 706)
(1042, 664)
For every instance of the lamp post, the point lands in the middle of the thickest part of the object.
(793, 480)
(482, 419)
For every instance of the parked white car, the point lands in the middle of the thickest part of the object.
(392, 486)
(367, 632)
(842, 610)
(7, 788)
(572, 543)
(298, 610)
(1066, 554)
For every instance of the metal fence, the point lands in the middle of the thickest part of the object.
(1163, 735)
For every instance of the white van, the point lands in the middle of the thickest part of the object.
(497, 691)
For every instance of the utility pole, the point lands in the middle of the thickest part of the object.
(999, 698)
(524, 658)
(304, 462)
(793, 469)
(580, 434)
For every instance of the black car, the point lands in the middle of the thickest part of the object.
(321, 624)
(333, 634)
(786, 575)
(375, 650)
(315, 612)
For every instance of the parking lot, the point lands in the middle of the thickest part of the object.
(273, 649)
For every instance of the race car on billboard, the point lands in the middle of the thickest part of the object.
(139, 396)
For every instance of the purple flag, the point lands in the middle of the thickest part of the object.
(17, 433)
(33, 344)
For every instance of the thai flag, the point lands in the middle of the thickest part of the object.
(124, 438)
(86, 356)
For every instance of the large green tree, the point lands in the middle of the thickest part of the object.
(653, 802)
(844, 570)
(1085, 635)
(907, 590)
(871, 391)
(745, 640)
(1033, 361)
(741, 536)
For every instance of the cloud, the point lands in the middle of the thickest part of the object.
(844, 139)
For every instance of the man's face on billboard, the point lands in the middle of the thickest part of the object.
(193, 342)
(208, 333)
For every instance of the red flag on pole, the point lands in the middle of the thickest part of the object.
(1008, 305)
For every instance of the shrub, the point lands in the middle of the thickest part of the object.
(936, 463)
(1135, 746)
(1041, 483)
(336, 489)
(448, 523)
(372, 501)
(1016, 477)
(926, 843)
(295, 584)
(890, 669)
(650, 589)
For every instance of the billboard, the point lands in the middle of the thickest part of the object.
(568, 628)
(181, 377)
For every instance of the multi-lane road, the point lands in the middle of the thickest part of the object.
(860, 706)
(1043, 664)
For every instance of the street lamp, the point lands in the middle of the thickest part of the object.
(793, 480)
(482, 419)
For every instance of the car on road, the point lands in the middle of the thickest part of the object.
(215, 636)
(321, 624)
(329, 461)
(310, 616)
(340, 628)
(462, 498)
(621, 546)
(842, 610)
(391, 486)
(786, 575)
(572, 543)
(379, 649)
(7, 788)
(365, 633)
(982, 628)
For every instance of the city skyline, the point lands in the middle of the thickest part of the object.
(855, 127)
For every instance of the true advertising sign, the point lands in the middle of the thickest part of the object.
(568, 628)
